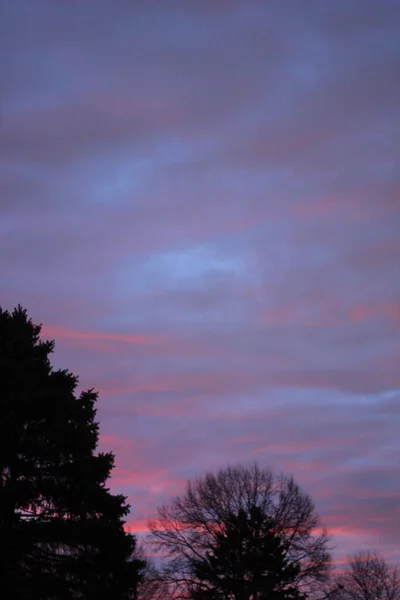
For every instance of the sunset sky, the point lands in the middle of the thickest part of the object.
(200, 201)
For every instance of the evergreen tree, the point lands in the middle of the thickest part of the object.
(61, 530)
(247, 560)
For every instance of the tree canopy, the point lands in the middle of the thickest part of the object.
(61, 529)
(241, 534)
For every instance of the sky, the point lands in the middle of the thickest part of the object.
(200, 202)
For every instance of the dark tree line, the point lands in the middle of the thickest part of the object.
(238, 534)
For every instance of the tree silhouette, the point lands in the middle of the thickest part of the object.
(247, 560)
(368, 577)
(61, 530)
(241, 534)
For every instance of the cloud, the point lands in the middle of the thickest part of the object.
(64, 332)
(199, 201)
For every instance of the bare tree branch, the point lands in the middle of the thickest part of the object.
(188, 529)
(369, 577)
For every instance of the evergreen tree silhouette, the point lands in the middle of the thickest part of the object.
(247, 561)
(61, 529)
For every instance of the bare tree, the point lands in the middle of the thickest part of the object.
(369, 577)
(189, 530)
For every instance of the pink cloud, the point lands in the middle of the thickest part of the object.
(333, 313)
(386, 310)
(93, 336)
(137, 526)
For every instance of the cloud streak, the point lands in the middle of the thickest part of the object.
(73, 334)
